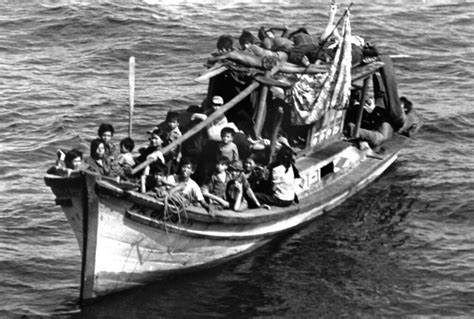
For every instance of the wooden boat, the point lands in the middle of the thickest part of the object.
(128, 238)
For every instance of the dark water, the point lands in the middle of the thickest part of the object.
(404, 247)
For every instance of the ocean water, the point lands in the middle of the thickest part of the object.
(403, 247)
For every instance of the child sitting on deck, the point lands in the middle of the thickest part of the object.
(67, 163)
(239, 194)
(154, 182)
(215, 189)
(183, 184)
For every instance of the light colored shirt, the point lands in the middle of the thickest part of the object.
(283, 181)
(191, 189)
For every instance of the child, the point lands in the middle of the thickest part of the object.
(125, 158)
(183, 184)
(227, 147)
(214, 190)
(239, 194)
(154, 182)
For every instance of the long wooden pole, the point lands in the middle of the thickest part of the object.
(276, 129)
(360, 111)
(131, 81)
(239, 97)
(262, 108)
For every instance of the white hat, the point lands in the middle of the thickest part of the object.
(217, 100)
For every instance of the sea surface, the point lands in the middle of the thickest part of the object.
(403, 247)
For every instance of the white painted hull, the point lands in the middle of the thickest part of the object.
(122, 250)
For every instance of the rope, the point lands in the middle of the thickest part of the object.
(175, 206)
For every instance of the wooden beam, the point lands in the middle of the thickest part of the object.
(195, 129)
(262, 108)
(360, 111)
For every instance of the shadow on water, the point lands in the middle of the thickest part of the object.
(345, 264)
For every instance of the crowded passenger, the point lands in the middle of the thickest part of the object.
(153, 149)
(227, 147)
(239, 194)
(154, 182)
(106, 132)
(98, 162)
(283, 174)
(183, 184)
(214, 190)
(67, 163)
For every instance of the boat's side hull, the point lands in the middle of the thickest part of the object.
(123, 248)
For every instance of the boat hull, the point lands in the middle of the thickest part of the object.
(123, 245)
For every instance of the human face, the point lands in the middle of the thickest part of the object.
(234, 173)
(249, 164)
(227, 138)
(220, 167)
(106, 137)
(155, 140)
(76, 162)
(186, 170)
(173, 124)
(100, 151)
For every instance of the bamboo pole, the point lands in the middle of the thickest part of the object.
(239, 97)
(131, 79)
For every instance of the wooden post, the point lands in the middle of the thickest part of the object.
(276, 129)
(360, 111)
(131, 79)
(262, 109)
(239, 97)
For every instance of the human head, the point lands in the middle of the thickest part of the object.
(246, 39)
(73, 159)
(186, 167)
(172, 119)
(249, 165)
(235, 168)
(97, 148)
(227, 135)
(222, 163)
(158, 169)
(285, 156)
(106, 132)
(225, 43)
(127, 145)
(155, 137)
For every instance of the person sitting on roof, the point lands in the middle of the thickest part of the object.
(225, 44)
(98, 162)
(239, 194)
(214, 190)
(275, 43)
(183, 184)
(284, 174)
(248, 43)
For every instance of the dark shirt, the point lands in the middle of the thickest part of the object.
(104, 169)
